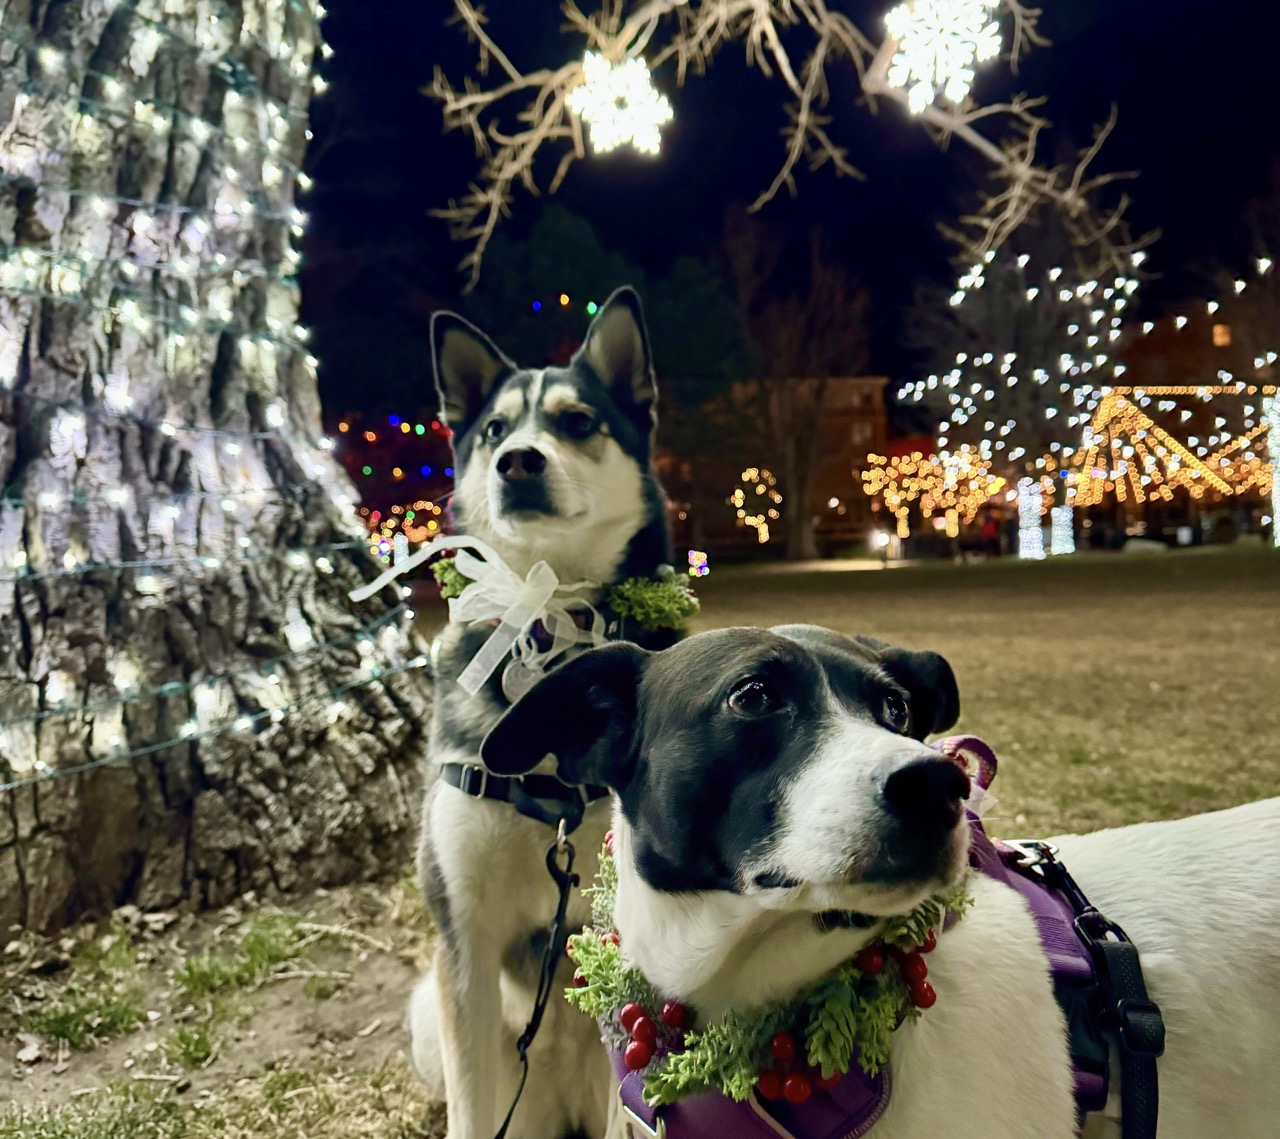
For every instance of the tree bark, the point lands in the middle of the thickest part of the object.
(800, 452)
(176, 543)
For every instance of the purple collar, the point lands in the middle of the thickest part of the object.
(847, 1111)
(851, 1108)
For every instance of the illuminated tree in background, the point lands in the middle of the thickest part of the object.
(924, 58)
(189, 704)
(1250, 299)
(1250, 307)
(1020, 347)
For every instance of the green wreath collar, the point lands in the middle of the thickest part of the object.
(808, 1041)
(659, 602)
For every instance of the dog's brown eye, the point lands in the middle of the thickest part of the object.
(896, 713)
(495, 429)
(752, 698)
(577, 425)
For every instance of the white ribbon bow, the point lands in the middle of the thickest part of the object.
(497, 592)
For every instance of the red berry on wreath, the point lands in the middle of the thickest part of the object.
(797, 1087)
(608, 842)
(826, 1083)
(610, 938)
(923, 995)
(674, 1014)
(783, 1047)
(769, 1085)
(568, 947)
(579, 981)
(930, 942)
(645, 1031)
(631, 1012)
(637, 1055)
(914, 969)
(870, 960)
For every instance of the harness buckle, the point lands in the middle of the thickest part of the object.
(466, 784)
(1040, 858)
(1030, 853)
(636, 1126)
(1095, 929)
(1141, 1027)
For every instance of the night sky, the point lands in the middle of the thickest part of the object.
(1195, 84)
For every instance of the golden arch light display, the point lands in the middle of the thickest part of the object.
(1127, 453)
(757, 501)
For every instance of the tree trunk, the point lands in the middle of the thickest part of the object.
(799, 416)
(190, 706)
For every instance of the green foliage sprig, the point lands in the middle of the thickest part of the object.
(451, 579)
(663, 604)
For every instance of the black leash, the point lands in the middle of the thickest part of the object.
(565, 881)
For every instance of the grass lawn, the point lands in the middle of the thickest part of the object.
(1113, 688)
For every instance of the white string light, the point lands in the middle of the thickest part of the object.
(1271, 416)
(1030, 528)
(146, 35)
(68, 440)
(620, 105)
(192, 731)
(1062, 534)
(21, 266)
(179, 241)
(165, 426)
(940, 43)
(184, 319)
(151, 583)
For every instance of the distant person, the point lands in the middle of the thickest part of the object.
(1012, 533)
(990, 536)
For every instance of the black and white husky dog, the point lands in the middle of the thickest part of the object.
(553, 465)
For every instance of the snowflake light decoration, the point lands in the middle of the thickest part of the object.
(619, 104)
(939, 44)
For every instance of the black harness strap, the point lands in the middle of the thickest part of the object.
(1131, 1018)
(1125, 1013)
(540, 797)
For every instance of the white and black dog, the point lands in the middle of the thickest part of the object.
(764, 778)
(552, 465)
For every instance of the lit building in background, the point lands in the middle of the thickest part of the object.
(734, 496)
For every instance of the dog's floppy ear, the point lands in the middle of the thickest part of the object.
(617, 350)
(930, 683)
(583, 713)
(467, 366)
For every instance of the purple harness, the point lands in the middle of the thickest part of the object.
(1096, 980)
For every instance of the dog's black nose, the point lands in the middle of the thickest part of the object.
(521, 464)
(927, 793)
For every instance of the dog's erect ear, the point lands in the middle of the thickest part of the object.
(467, 365)
(617, 350)
(929, 681)
(583, 713)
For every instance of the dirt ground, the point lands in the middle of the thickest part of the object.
(252, 1018)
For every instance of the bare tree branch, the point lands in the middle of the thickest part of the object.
(685, 34)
